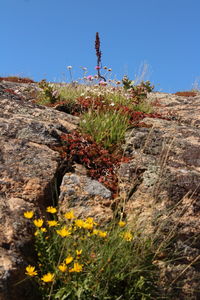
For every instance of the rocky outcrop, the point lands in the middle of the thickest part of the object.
(28, 170)
(159, 186)
(162, 184)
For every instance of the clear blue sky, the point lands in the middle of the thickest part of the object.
(39, 38)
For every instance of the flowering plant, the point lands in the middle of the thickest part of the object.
(81, 259)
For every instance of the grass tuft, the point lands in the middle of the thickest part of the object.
(107, 128)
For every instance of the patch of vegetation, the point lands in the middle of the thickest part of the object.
(49, 94)
(101, 164)
(107, 128)
(81, 259)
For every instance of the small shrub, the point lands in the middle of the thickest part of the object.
(137, 92)
(79, 259)
(127, 83)
(49, 94)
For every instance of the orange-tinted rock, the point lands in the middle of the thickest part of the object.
(162, 184)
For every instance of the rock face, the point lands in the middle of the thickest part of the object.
(159, 185)
(163, 179)
(28, 169)
(87, 197)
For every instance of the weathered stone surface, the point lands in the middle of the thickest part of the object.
(28, 169)
(18, 91)
(160, 184)
(162, 181)
(184, 110)
(87, 197)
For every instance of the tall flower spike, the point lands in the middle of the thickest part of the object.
(97, 47)
(98, 54)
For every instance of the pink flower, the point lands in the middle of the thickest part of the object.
(97, 68)
(90, 77)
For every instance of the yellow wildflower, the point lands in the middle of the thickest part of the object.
(68, 260)
(63, 232)
(51, 210)
(78, 252)
(87, 225)
(121, 223)
(52, 223)
(90, 221)
(43, 229)
(28, 214)
(95, 231)
(77, 268)
(38, 222)
(102, 233)
(128, 236)
(62, 267)
(79, 223)
(49, 277)
(30, 271)
(69, 215)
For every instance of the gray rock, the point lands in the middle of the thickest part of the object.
(95, 188)
(87, 197)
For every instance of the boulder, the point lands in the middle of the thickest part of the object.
(87, 197)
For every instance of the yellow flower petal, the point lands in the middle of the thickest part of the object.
(49, 277)
(79, 223)
(69, 215)
(38, 222)
(77, 268)
(78, 252)
(88, 226)
(52, 223)
(28, 214)
(62, 268)
(68, 260)
(102, 233)
(121, 223)
(51, 209)
(95, 231)
(63, 232)
(43, 229)
(30, 271)
(128, 236)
